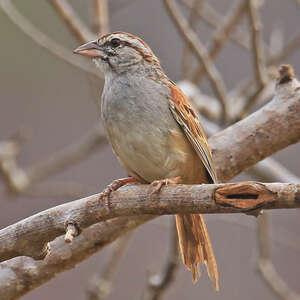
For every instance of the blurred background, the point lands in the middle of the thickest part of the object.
(48, 104)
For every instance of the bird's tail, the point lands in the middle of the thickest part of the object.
(195, 246)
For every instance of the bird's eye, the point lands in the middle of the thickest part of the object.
(115, 42)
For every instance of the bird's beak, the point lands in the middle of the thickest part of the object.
(90, 49)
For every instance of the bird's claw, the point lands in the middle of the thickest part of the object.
(158, 184)
(116, 184)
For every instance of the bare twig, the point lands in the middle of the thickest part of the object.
(158, 283)
(43, 40)
(212, 18)
(101, 284)
(102, 16)
(186, 51)
(265, 265)
(222, 34)
(68, 156)
(257, 42)
(287, 50)
(20, 180)
(270, 170)
(199, 49)
(17, 180)
(258, 55)
(73, 21)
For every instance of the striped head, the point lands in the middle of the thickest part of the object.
(118, 52)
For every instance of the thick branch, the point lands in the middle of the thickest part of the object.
(29, 237)
(22, 274)
(273, 127)
(235, 149)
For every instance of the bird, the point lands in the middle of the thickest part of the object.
(155, 133)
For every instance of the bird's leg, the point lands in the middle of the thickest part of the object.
(158, 184)
(116, 184)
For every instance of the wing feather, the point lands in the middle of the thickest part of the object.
(186, 117)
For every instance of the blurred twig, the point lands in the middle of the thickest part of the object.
(287, 50)
(201, 53)
(186, 59)
(20, 179)
(212, 18)
(158, 283)
(271, 170)
(258, 54)
(257, 42)
(68, 156)
(222, 34)
(101, 284)
(17, 180)
(73, 21)
(101, 16)
(271, 61)
(43, 40)
(265, 265)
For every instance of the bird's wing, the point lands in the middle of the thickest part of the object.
(188, 120)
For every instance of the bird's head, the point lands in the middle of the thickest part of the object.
(118, 52)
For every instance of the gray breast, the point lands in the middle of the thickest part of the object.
(136, 116)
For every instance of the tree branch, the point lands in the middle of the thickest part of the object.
(30, 236)
(20, 275)
(256, 137)
(235, 149)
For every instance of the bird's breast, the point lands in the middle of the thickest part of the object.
(143, 133)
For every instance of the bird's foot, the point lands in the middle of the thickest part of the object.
(116, 184)
(158, 184)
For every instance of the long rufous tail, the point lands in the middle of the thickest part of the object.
(195, 246)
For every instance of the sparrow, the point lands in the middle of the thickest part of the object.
(155, 133)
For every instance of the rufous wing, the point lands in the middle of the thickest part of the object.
(186, 117)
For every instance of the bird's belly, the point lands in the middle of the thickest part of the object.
(151, 152)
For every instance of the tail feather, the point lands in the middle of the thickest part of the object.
(195, 246)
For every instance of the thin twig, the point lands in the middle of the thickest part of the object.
(265, 265)
(187, 51)
(257, 42)
(101, 16)
(17, 180)
(222, 34)
(43, 40)
(287, 50)
(258, 56)
(202, 55)
(101, 284)
(212, 18)
(158, 283)
(68, 156)
(73, 21)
